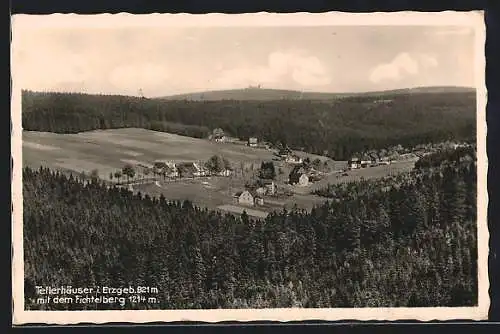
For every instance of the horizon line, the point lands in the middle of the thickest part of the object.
(247, 88)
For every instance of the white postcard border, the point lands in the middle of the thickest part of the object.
(448, 18)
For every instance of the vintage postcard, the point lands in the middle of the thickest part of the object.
(249, 167)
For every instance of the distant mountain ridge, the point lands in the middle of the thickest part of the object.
(266, 94)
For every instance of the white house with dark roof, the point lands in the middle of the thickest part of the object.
(249, 198)
(252, 142)
(293, 159)
(354, 163)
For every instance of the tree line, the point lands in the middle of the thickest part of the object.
(336, 128)
(406, 243)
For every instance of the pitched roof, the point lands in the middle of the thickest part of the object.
(254, 194)
(296, 173)
(186, 167)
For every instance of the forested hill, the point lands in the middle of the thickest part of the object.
(336, 127)
(412, 245)
(264, 94)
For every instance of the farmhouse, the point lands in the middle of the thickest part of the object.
(258, 200)
(354, 163)
(252, 142)
(219, 139)
(218, 135)
(284, 152)
(366, 163)
(303, 180)
(270, 187)
(261, 191)
(248, 197)
(225, 172)
(187, 169)
(171, 171)
(200, 170)
(264, 187)
(385, 161)
(165, 168)
(293, 159)
(299, 176)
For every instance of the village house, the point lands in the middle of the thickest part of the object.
(225, 172)
(366, 163)
(354, 163)
(219, 139)
(261, 191)
(167, 168)
(270, 186)
(293, 159)
(218, 135)
(284, 152)
(187, 169)
(252, 142)
(171, 171)
(249, 198)
(265, 187)
(303, 180)
(385, 161)
(200, 170)
(299, 177)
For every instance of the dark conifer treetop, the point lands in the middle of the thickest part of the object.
(408, 241)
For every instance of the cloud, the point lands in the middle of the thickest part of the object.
(303, 70)
(428, 60)
(132, 77)
(403, 64)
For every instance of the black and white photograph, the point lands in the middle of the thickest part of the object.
(226, 167)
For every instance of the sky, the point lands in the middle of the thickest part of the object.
(162, 61)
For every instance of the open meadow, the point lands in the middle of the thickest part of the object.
(109, 150)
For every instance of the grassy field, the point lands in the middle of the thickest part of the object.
(358, 174)
(240, 210)
(109, 150)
